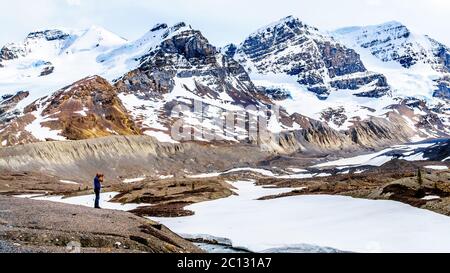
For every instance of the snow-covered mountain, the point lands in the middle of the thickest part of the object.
(316, 60)
(393, 41)
(58, 85)
(178, 66)
(49, 60)
(394, 44)
(415, 65)
(168, 66)
(324, 76)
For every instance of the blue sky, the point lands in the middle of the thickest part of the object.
(221, 21)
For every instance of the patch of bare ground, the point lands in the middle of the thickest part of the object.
(19, 183)
(39, 226)
(32, 182)
(170, 197)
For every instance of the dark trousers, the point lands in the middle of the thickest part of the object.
(97, 198)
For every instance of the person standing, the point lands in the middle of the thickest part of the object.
(97, 188)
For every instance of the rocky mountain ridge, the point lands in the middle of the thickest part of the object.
(318, 61)
(393, 41)
(154, 84)
(289, 58)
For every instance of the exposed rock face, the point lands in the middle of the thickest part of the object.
(379, 84)
(443, 90)
(122, 157)
(379, 131)
(275, 93)
(336, 116)
(10, 52)
(419, 55)
(442, 53)
(10, 123)
(380, 45)
(190, 43)
(230, 50)
(432, 121)
(176, 65)
(186, 53)
(146, 85)
(13, 132)
(47, 69)
(86, 109)
(320, 63)
(339, 60)
(8, 102)
(371, 133)
(439, 152)
(49, 35)
(181, 68)
(131, 156)
(318, 135)
(35, 41)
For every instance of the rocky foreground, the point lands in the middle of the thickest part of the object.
(38, 226)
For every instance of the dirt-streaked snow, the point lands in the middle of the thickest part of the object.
(338, 222)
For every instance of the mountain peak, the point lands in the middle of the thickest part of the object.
(392, 23)
(164, 26)
(158, 26)
(289, 21)
(98, 29)
(395, 28)
(394, 42)
(387, 27)
(180, 25)
(96, 37)
(316, 60)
